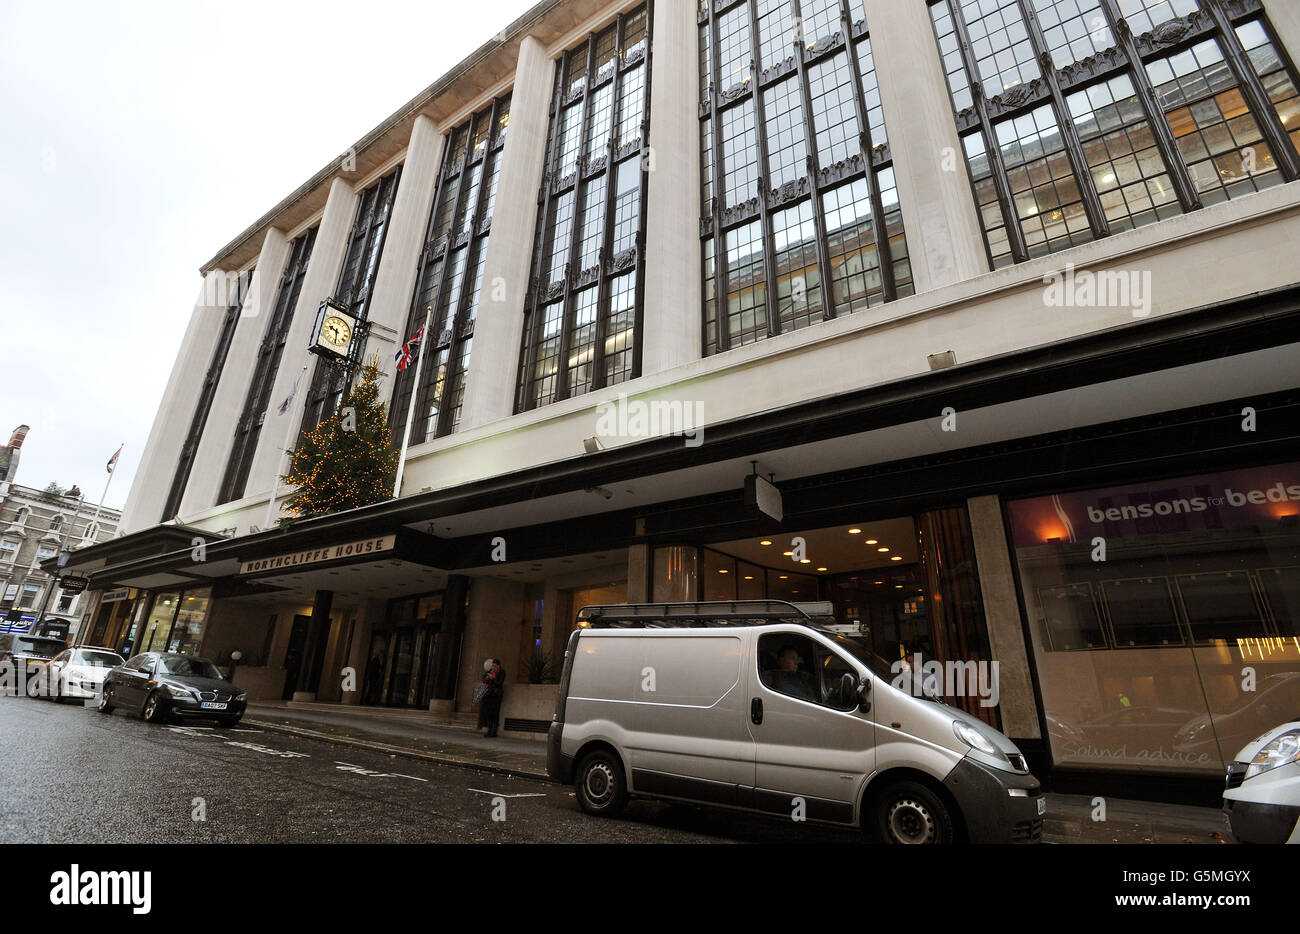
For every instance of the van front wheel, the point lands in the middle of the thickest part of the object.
(908, 813)
(601, 789)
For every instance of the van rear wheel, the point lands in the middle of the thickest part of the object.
(601, 789)
(910, 813)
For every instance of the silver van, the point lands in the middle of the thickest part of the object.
(753, 705)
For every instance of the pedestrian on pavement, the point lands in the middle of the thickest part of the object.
(489, 711)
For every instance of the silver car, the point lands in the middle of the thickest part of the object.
(752, 705)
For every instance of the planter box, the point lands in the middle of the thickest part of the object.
(262, 684)
(530, 701)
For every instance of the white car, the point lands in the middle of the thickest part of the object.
(80, 672)
(1262, 800)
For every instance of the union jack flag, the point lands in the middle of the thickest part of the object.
(406, 356)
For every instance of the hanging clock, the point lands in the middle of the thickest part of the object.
(334, 332)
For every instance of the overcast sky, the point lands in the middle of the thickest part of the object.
(137, 139)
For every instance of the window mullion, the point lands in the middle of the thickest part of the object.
(720, 272)
(533, 326)
(396, 418)
(605, 253)
(998, 171)
(435, 298)
(575, 230)
(643, 194)
(1065, 126)
(1284, 156)
(1155, 118)
(458, 314)
(883, 250)
(760, 126)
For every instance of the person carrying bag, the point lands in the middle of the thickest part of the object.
(488, 694)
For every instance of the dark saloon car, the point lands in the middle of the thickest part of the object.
(163, 685)
(27, 653)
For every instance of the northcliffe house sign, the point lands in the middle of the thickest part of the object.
(297, 559)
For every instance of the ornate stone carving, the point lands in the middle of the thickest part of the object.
(563, 183)
(850, 165)
(634, 55)
(623, 260)
(787, 192)
(778, 70)
(824, 43)
(739, 211)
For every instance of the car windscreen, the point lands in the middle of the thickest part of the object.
(190, 667)
(858, 649)
(42, 648)
(97, 659)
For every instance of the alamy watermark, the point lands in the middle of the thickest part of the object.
(1109, 288)
(653, 418)
(947, 679)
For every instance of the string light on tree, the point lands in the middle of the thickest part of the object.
(346, 461)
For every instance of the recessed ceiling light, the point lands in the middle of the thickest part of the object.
(879, 582)
(788, 554)
(749, 577)
(882, 550)
(871, 541)
(806, 561)
(896, 558)
(784, 576)
(898, 586)
(722, 570)
(855, 531)
(821, 569)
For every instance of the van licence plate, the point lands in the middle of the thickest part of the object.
(210, 705)
(1042, 806)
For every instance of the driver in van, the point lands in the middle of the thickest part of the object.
(787, 678)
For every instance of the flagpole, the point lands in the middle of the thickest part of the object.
(410, 409)
(288, 436)
(104, 495)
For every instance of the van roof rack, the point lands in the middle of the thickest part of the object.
(708, 613)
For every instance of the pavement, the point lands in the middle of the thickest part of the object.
(418, 735)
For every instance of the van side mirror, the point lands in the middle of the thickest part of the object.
(864, 688)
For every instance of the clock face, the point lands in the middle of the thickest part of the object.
(335, 332)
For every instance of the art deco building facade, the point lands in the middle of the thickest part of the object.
(1001, 295)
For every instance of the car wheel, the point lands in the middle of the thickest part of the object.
(601, 788)
(154, 711)
(104, 705)
(910, 813)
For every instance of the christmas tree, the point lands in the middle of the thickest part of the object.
(346, 461)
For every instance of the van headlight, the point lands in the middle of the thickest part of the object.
(1283, 750)
(973, 737)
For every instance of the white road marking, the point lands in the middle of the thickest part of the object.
(360, 770)
(498, 794)
(268, 751)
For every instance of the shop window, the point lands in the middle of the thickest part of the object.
(1163, 616)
